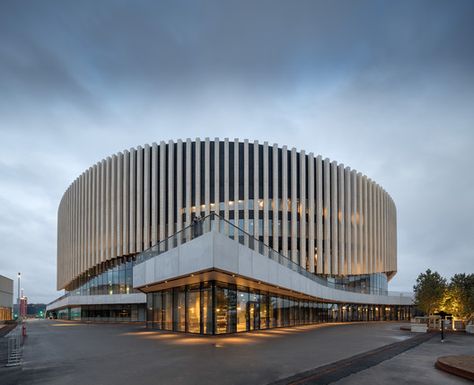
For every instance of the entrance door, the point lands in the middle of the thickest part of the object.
(253, 312)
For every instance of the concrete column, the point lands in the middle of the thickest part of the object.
(341, 213)
(139, 210)
(102, 210)
(327, 216)
(266, 169)
(347, 221)
(276, 200)
(170, 188)
(354, 233)
(179, 186)
(284, 201)
(226, 184)
(256, 188)
(311, 206)
(360, 224)
(197, 195)
(93, 216)
(106, 255)
(236, 186)
(370, 209)
(146, 197)
(207, 177)
(113, 208)
(188, 190)
(163, 189)
(294, 208)
(126, 202)
(217, 185)
(133, 199)
(119, 209)
(365, 224)
(302, 211)
(319, 216)
(246, 186)
(154, 193)
(334, 220)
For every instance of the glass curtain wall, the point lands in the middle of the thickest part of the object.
(220, 308)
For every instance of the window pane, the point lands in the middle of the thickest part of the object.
(193, 310)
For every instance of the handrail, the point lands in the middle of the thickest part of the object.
(214, 221)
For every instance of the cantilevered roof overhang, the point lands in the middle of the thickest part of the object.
(215, 255)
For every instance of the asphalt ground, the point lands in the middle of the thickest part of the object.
(58, 352)
(416, 366)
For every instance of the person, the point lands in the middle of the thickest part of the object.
(197, 226)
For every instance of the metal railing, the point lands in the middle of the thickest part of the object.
(15, 346)
(214, 222)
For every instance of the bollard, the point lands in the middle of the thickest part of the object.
(23, 330)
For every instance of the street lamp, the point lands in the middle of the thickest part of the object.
(19, 310)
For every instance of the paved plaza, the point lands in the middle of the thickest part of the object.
(67, 353)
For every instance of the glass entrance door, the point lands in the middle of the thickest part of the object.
(253, 312)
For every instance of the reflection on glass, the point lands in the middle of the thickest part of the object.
(179, 309)
(242, 299)
(157, 310)
(207, 310)
(168, 310)
(194, 310)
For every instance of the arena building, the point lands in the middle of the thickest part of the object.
(211, 236)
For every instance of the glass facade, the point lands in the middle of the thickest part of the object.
(219, 308)
(116, 279)
(103, 313)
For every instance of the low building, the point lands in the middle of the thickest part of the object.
(212, 236)
(6, 298)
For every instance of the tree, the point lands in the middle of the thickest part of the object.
(459, 296)
(429, 291)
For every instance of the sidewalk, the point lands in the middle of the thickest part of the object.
(416, 366)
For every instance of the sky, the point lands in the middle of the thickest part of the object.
(384, 87)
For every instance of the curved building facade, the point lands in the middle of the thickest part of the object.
(328, 218)
(331, 222)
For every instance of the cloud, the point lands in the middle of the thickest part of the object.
(386, 88)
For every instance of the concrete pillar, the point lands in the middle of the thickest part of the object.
(284, 201)
(246, 187)
(119, 210)
(188, 190)
(179, 186)
(334, 220)
(207, 176)
(327, 216)
(266, 198)
(154, 193)
(256, 190)
(197, 158)
(320, 269)
(236, 187)
(276, 200)
(162, 192)
(146, 197)
(294, 208)
(170, 188)
(347, 220)
(311, 216)
(126, 203)
(302, 210)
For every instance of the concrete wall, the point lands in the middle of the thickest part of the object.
(77, 300)
(6, 292)
(214, 250)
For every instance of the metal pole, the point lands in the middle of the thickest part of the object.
(442, 329)
(19, 310)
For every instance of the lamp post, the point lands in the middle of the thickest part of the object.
(18, 303)
(443, 315)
